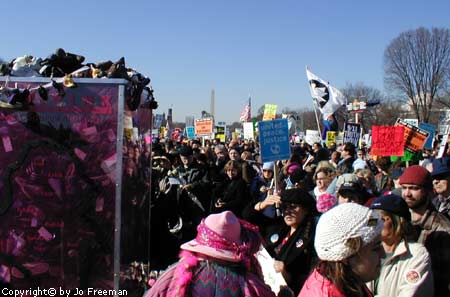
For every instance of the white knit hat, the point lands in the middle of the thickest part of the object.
(339, 224)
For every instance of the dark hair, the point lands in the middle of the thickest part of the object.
(233, 164)
(350, 147)
(384, 163)
(342, 276)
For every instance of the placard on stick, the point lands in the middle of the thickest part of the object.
(415, 137)
(388, 140)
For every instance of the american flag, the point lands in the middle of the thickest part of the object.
(246, 113)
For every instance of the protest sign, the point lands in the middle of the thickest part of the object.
(248, 130)
(415, 137)
(387, 141)
(274, 279)
(190, 132)
(442, 146)
(430, 128)
(220, 133)
(203, 127)
(414, 122)
(331, 137)
(312, 136)
(270, 111)
(351, 133)
(157, 120)
(274, 140)
(444, 122)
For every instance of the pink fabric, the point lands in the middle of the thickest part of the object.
(167, 285)
(325, 202)
(292, 167)
(318, 286)
(219, 236)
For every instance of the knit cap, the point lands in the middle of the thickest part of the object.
(341, 223)
(416, 175)
(325, 202)
(268, 166)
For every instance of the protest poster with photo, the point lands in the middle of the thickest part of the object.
(352, 132)
(415, 137)
(387, 141)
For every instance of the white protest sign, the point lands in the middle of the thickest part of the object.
(274, 279)
(312, 136)
(248, 130)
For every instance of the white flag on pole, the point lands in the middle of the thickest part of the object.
(327, 97)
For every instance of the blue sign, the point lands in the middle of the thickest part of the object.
(430, 128)
(274, 140)
(190, 132)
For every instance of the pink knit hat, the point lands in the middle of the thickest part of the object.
(325, 202)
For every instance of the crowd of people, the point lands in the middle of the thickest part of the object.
(336, 220)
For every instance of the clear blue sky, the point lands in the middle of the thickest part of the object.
(237, 47)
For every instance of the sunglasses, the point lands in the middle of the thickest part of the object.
(289, 206)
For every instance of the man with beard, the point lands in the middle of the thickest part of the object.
(433, 227)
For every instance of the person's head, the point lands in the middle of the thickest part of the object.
(335, 156)
(221, 152)
(196, 144)
(396, 218)
(316, 146)
(234, 154)
(297, 205)
(246, 156)
(361, 154)
(130, 168)
(221, 238)
(267, 170)
(348, 150)
(366, 178)
(416, 186)
(323, 177)
(395, 177)
(233, 169)
(349, 189)
(347, 242)
(186, 155)
(384, 164)
(441, 176)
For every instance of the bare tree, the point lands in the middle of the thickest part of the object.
(416, 65)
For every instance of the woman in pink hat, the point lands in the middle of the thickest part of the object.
(220, 261)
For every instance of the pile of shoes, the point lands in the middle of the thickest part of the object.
(63, 64)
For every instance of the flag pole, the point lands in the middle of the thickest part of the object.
(317, 119)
